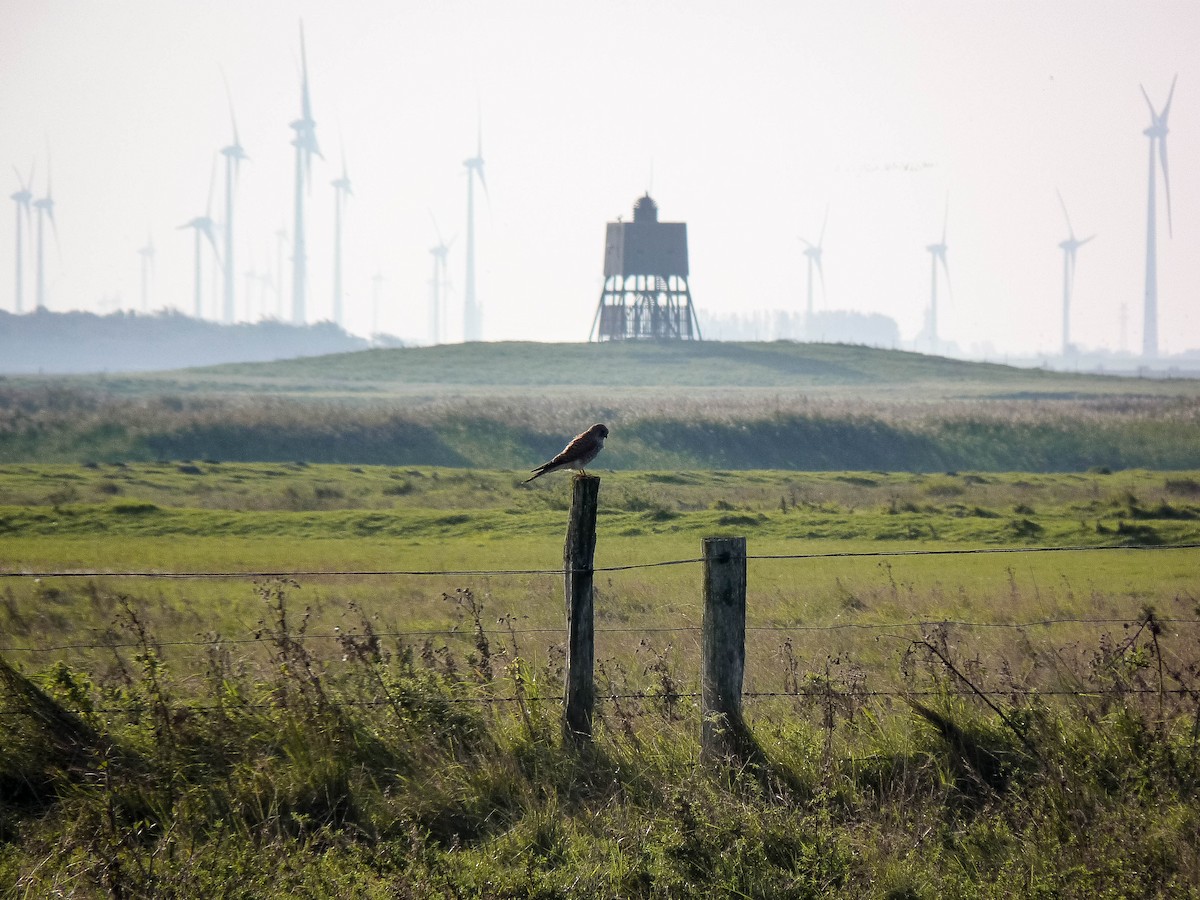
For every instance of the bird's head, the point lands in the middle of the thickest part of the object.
(601, 431)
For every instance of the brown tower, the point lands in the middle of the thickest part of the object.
(646, 292)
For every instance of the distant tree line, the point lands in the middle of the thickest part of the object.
(832, 327)
(80, 342)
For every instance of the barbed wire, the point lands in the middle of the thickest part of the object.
(632, 629)
(968, 551)
(480, 573)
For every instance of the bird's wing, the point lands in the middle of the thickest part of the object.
(581, 445)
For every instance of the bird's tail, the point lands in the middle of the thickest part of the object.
(537, 473)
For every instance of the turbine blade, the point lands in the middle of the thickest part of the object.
(232, 118)
(210, 235)
(1153, 114)
(483, 182)
(1070, 230)
(820, 274)
(305, 104)
(821, 239)
(1167, 106)
(1085, 240)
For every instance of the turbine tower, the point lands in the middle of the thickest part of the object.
(147, 255)
(1157, 132)
(44, 207)
(234, 154)
(23, 198)
(439, 285)
(202, 226)
(813, 252)
(305, 143)
(937, 252)
(341, 190)
(472, 314)
(1069, 247)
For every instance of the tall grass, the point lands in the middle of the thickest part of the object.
(655, 430)
(400, 767)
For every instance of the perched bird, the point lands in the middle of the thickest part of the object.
(577, 454)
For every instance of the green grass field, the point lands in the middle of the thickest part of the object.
(353, 687)
(260, 518)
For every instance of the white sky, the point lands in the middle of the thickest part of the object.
(746, 121)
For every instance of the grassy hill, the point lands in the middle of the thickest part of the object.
(815, 368)
(671, 406)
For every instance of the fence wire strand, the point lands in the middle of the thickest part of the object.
(484, 573)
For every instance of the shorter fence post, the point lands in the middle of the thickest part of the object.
(723, 732)
(578, 558)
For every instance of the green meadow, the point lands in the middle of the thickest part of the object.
(297, 630)
(802, 407)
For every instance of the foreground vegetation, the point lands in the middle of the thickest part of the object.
(988, 725)
(388, 770)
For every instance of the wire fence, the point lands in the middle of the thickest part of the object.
(483, 573)
(902, 629)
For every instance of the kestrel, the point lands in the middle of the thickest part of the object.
(577, 454)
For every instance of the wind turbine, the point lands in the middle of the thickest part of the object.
(305, 143)
(813, 252)
(439, 284)
(203, 227)
(1069, 247)
(234, 154)
(44, 207)
(147, 255)
(937, 252)
(1157, 132)
(23, 199)
(472, 315)
(341, 190)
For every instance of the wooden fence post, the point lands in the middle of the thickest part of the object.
(578, 557)
(723, 732)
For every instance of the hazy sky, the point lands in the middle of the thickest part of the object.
(747, 121)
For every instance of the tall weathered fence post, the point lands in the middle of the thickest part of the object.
(578, 556)
(723, 732)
